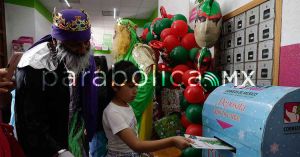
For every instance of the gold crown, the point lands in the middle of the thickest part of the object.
(75, 25)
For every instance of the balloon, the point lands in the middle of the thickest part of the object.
(180, 27)
(188, 41)
(191, 77)
(163, 67)
(193, 53)
(170, 16)
(190, 30)
(183, 103)
(203, 60)
(161, 25)
(184, 121)
(177, 73)
(166, 32)
(190, 64)
(147, 25)
(179, 17)
(170, 42)
(149, 37)
(191, 152)
(145, 33)
(179, 55)
(194, 94)
(194, 129)
(194, 113)
(210, 81)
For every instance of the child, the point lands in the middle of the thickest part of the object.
(119, 122)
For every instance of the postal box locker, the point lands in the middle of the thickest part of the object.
(239, 54)
(251, 52)
(229, 41)
(252, 35)
(240, 22)
(264, 82)
(265, 50)
(266, 30)
(229, 56)
(256, 121)
(249, 67)
(228, 26)
(267, 10)
(252, 17)
(240, 38)
(264, 70)
(238, 68)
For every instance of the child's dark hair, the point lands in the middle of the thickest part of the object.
(128, 69)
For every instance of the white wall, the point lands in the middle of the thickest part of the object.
(24, 21)
(290, 22)
(42, 25)
(175, 7)
(19, 22)
(228, 6)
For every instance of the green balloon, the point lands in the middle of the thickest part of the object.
(191, 152)
(183, 103)
(194, 113)
(190, 30)
(160, 25)
(210, 81)
(193, 53)
(179, 17)
(147, 25)
(179, 55)
(149, 37)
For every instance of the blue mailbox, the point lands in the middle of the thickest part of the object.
(256, 121)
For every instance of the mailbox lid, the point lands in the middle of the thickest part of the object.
(241, 113)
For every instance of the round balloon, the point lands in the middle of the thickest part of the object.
(180, 27)
(149, 37)
(194, 113)
(191, 77)
(190, 30)
(166, 32)
(179, 55)
(194, 94)
(179, 17)
(144, 34)
(194, 129)
(188, 41)
(184, 121)
(193, 53)
(177, 73)
(170, 42)
(161, 25)
(183, 103)
(191, 152)
(147, 25)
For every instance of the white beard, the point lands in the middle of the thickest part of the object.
(73, 62)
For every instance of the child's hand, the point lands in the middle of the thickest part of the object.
(181, 142)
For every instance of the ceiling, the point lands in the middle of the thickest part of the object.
(136, 9)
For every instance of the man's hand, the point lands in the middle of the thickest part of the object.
(5, 84)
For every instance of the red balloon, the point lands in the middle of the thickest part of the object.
(166, 32)
(194, 129)
(177, 73)
(194, 94)
(170, 42)
(180, 27)
(184, 121)
(164, 67)
(170, 16)
(188, 41)
(190, 64)
(191, 77)
(144, 35)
